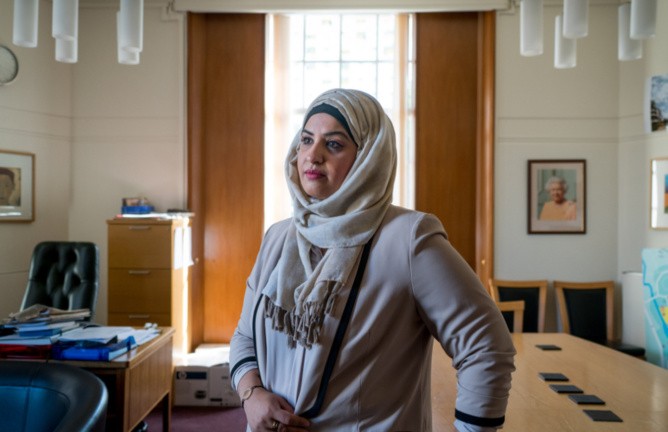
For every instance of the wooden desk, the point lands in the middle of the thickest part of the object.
(633, 389)
(137, 382)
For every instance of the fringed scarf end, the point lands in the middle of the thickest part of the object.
(303, 328)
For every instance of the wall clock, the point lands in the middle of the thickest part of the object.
(9, 66)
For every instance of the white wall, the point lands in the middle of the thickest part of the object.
(128, 136)
(548, 113)
(35, 117)
(636, 148)
(101, 131)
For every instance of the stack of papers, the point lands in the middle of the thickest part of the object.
(15, 339)
(100, 343)
(45, 329)
(40, 325)
(107, 334)
(41, 313)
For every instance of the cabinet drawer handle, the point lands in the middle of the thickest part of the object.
(139, 316)
(139, 272)
(140, 227)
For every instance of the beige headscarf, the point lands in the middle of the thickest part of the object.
(299, 295)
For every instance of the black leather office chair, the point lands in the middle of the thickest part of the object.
(50, 397)
(64, 275)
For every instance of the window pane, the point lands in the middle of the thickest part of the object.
(322, 37)
(296, 122)
(297, 85)
(386, 85)
(410, 86)
(319, 77)
(386, 29)
(411, 37)
(360, 76)
(358, 37)
(296, 37)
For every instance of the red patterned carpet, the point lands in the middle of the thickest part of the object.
(198, 419)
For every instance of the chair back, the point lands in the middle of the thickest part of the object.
(586, 309)
(39, 397)
(64, 275)
(532, 292)
(513, 314)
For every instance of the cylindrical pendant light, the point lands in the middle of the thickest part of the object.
(124, 57)
(643, 19)
(564, 49)
(576, 18)
(26, 22)
(66, 50)
(127, 57)
(65, 24)
(132, 25)
(531, 27)
(627, 48)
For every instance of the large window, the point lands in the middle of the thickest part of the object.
(308, 54)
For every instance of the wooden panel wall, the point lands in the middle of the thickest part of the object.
(226, 163)
(446, 124)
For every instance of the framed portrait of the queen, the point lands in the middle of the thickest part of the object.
(556, 201)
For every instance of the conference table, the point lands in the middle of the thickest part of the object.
(635, 390)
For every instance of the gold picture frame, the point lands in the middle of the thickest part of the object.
(17, 186)
(556, 196)
(658, 177)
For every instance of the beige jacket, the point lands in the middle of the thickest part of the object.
(415, 287)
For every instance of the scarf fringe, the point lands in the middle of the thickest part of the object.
(303, 328)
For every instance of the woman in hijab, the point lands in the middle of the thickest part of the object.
(345, 297)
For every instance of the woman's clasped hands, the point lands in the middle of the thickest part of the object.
(267, 411)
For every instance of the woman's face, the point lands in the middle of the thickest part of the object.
(6, 189)
(556, 192)
(325, 156)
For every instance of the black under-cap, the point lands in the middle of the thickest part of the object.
(328, 109)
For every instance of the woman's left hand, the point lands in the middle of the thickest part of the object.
(267, 411)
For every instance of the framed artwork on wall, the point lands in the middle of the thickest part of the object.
(556, 196)
(656, 103)
(17, 186)
(658, 202)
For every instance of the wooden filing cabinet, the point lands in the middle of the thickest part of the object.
(146, 283)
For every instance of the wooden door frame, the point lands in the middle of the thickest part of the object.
(485, 154)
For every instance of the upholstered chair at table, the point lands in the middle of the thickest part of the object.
(532, 292)
(64, 275)
(586, 311)
(513, 313)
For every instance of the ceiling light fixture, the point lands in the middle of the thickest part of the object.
(131, 25)
(565, 50)
(643, 19)
(26, 23)
(124, 57)
(576, 18)
(65, 23)
(531, 27)
(66, 50)
(627, 48)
